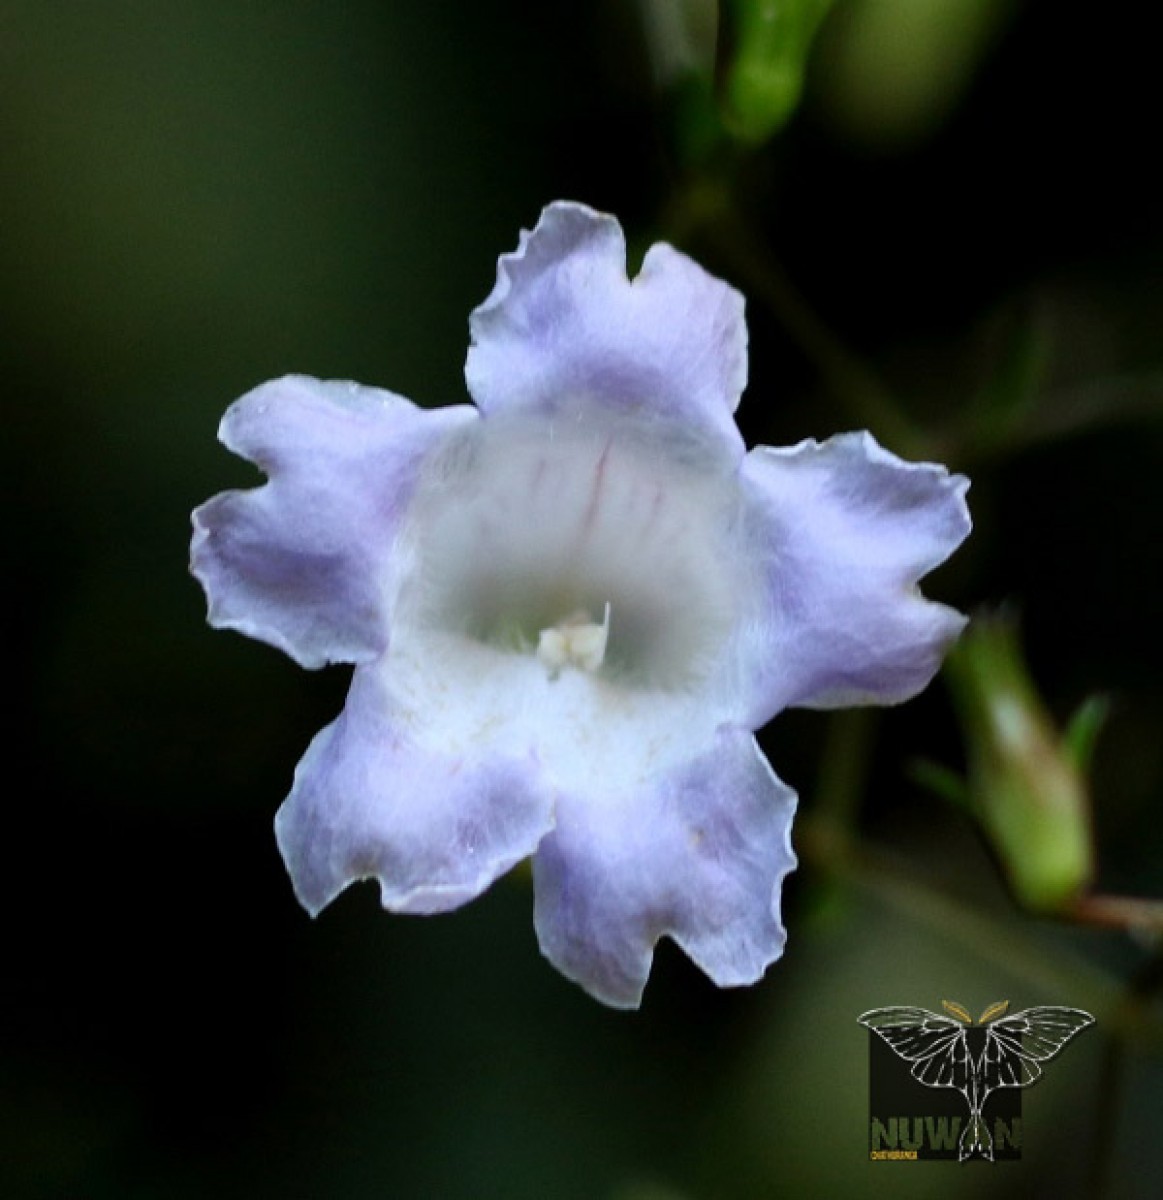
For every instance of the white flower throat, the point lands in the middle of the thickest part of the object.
(602, 555)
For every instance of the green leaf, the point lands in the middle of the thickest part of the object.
(1082, 733)
(941, 781)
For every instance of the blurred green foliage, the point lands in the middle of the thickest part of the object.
(895, 70)
(956, 217)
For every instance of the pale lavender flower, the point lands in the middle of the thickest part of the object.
(569, 607)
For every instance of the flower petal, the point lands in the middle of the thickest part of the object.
(434, 830)
(843, 531)
(565, 326)
(699, 856)
(305, 562)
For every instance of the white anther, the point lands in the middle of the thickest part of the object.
(575, 642)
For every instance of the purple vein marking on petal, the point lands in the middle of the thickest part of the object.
(596, 492)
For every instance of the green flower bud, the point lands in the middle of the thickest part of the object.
(1027, 783)
(764, 46)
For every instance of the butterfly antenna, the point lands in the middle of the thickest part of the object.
(993, 1012)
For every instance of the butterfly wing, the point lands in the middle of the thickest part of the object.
(936, 1046)
(1016, 1046)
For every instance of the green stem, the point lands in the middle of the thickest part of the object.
(1129, 913)
(708, 211)
(843, 773)
(881, 876)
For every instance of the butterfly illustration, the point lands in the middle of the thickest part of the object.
(976, 1058)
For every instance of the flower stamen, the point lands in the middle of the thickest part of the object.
(575, 642)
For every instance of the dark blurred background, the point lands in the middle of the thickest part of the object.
(196, 195)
